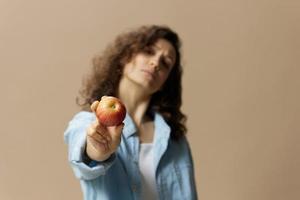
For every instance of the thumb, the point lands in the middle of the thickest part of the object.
(94, 106)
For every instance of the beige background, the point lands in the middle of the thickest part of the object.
(241, 90)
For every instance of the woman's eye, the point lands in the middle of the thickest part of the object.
(166, 64)
(149, 51)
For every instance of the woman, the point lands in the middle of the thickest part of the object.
(147, 156)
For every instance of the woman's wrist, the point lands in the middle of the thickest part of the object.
(91, 155)
(86, 159)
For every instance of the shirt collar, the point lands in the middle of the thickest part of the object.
(129, 128)
(161, 128)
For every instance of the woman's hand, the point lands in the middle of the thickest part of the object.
(102, 141)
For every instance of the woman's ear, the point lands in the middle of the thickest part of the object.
(120, 70)
(161, 88)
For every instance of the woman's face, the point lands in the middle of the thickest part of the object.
(151, 68)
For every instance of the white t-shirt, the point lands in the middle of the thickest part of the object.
(146, 166)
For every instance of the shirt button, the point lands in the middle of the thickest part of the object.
(134, 188)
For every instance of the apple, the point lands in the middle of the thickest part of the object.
(110, 111)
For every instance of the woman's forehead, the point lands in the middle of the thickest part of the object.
(163, 44)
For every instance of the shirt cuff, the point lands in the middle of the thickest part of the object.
(92, 170)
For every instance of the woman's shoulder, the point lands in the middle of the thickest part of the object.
(83, 116)
(179, 151)
(181, 143)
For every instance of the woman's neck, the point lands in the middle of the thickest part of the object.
(135, 100)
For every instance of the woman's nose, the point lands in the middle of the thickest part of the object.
(154, 63)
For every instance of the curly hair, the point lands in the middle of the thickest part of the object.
(167, 101)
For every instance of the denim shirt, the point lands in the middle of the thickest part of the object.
(118, 178)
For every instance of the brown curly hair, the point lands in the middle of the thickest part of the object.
(108, 67)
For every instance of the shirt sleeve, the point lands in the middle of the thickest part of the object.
(191, 179)
(75, 138)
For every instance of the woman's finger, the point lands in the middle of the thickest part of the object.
(95, 143)
(116, 131)
(94, 106)
(103, 131)
(96, 136)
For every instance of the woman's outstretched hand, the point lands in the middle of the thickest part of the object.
(102, 141)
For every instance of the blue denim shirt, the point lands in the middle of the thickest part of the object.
(118, 178)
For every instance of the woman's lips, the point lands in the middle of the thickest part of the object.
(149, 73)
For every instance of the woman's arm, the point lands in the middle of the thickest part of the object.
(75, 138)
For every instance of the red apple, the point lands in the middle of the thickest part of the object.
(110, 111)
